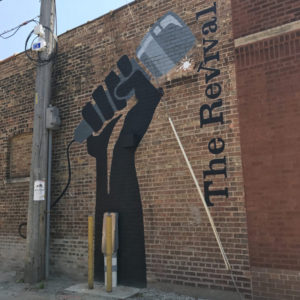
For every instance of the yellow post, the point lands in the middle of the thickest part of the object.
(109, 253)
(91, 252)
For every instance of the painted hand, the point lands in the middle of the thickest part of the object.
(120, 88)
(123, 195)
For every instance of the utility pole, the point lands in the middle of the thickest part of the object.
(36, 221)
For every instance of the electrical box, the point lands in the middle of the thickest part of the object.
(39, 45)
(39, 30)
(52, 118)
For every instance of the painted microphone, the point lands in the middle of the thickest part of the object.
(167, 42)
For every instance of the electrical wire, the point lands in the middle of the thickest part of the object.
(69, 178)
(16, 29)
(61, 194)
(40, 60)
(7, 37)
(20, 230)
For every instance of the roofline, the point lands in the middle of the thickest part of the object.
(102, 16)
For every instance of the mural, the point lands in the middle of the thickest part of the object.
(209, 113)
(160, 50)
(124, 196)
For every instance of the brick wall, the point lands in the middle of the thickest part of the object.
(275, 284)
(268, 92)
(269, 113)
(258, 15)
(180, 246)
(16, 104)
(19, 156)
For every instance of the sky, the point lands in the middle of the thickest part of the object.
(70, 14)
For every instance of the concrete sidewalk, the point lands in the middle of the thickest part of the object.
(63, 288)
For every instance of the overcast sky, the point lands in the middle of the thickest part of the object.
(70, 14)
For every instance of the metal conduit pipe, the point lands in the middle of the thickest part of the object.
(48, 205)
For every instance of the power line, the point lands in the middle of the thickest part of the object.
(16, 29)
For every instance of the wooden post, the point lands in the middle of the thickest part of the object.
(36, 221)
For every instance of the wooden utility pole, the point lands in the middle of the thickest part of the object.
(36, 222)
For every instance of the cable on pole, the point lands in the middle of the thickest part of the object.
(39, 60)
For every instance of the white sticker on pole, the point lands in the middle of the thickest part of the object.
(39, 190)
